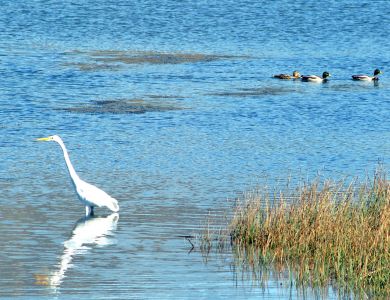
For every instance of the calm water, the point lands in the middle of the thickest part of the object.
(170, 108)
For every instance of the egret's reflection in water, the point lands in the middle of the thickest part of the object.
(88, 232)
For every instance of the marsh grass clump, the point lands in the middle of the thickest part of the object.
(215, 235)
(327, 233)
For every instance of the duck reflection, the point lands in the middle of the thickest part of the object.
(88, 232)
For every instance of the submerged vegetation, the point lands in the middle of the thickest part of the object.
(323, 233)
(125, 106)
(263, 91)
(113, 60)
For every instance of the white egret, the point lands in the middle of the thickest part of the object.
(88, 194)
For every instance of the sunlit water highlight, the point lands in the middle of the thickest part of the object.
(170, 108)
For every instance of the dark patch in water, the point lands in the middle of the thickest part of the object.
(113, 59)
(266, 91)
(124, 106)
(94, 66)
(354, 86)
(164, 97)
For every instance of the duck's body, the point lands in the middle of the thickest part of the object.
(366, 77)
(295, 75)
(315, 78)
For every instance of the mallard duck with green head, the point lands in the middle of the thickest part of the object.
(315, 78)
(366, 77)
(295, 75)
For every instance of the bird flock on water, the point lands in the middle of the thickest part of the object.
(314, 78)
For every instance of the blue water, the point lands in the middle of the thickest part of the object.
(216, 126)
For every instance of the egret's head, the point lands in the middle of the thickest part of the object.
(49, 138)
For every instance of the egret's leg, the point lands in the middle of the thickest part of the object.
(88, 210)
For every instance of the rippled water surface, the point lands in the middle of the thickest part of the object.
(170, 108)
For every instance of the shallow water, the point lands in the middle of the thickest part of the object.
(171, 109)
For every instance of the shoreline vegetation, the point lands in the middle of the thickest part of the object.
(324, 233)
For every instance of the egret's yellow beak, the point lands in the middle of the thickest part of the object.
(44, 139)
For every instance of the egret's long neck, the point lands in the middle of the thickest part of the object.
(72, 172)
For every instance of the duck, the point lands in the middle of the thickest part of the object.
(315, 78)
(295, 75)
(366, 77)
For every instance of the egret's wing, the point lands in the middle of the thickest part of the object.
(97, 196)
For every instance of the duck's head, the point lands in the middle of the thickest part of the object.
(296, 74)
(377, 72)
(325, 75)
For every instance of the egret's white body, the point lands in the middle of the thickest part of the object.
(88, 194)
